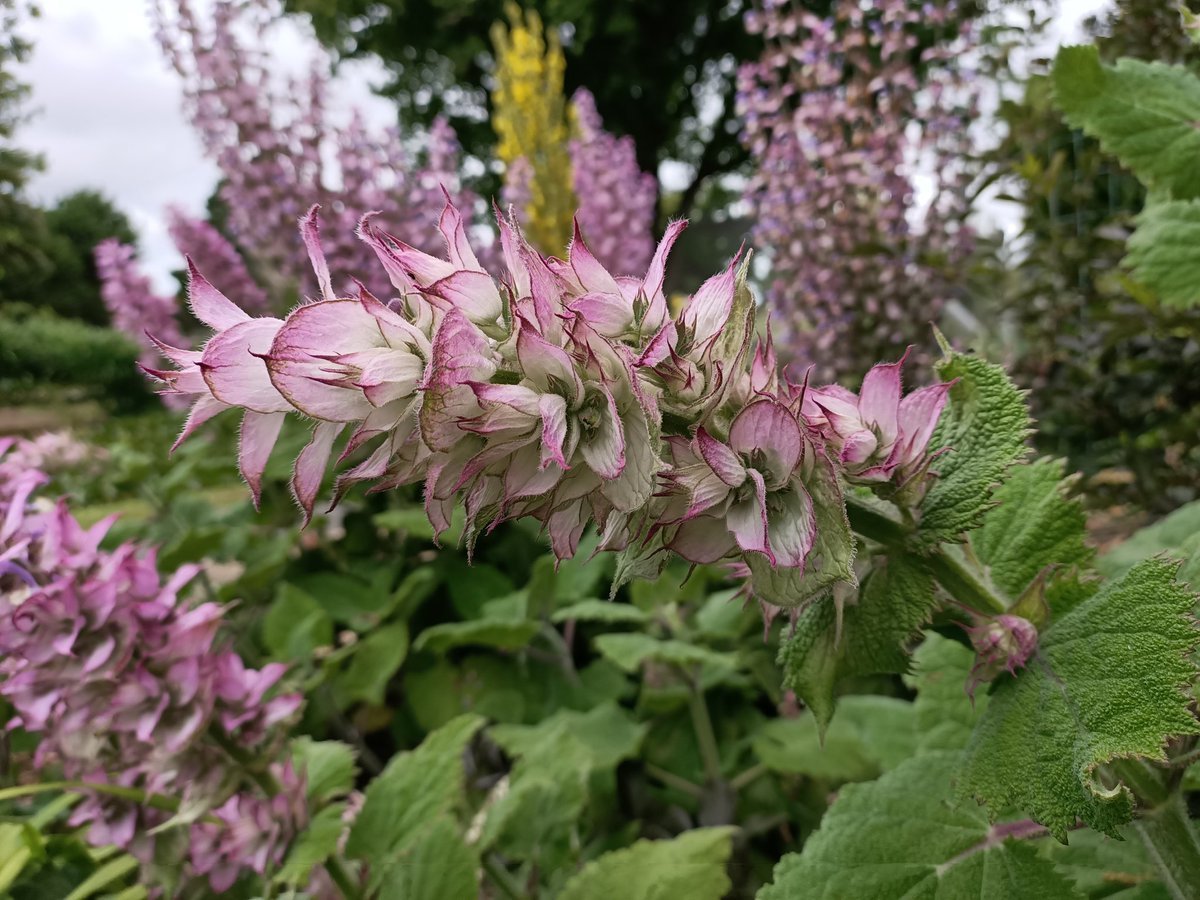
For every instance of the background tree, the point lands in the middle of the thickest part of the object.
(661, 72)
(1115, 374)
(21, 229)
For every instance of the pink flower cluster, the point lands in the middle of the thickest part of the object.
(124, 682)
(617, 200)
(131, 301)
(274, 138)
(213, 252)
(841, 114)
(559, 391)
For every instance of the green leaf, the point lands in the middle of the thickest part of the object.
(600, 611)
(104, 877)
(346, 598)
(984, 425)
(295, 625)
(376, 659)
(471, 587)
(1107, 681)
(437, 866)
(869, 735)
(896, 599)
(691, 865)
(945, 715)
(313, 846)
(902, 836)
(608, 733)
(1033, 525)
(414, 789)
(1177, 535)
(1098, 864)
(1164, 251)
(502, 634)
(329, 768)
(583, 575)
(1143, 113)
(629, 651)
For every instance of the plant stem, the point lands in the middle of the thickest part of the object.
(1163, 825)
(670, 779)
(962, 584)
(134, 795)
(1172, 843)
(340, 877)
(248, 764)
(500, 877)
(743, 779)
(705, 736)
(956, 578)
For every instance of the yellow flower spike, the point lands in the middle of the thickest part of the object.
(530, 119)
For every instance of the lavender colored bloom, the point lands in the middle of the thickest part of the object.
(839, 126)
(123, 679)
(136, 309)
(211, 252)
(1002, 644)
(616, 199)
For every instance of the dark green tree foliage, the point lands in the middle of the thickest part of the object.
(21, 253)
(1115, 373)
(74, 226)
(653, 67)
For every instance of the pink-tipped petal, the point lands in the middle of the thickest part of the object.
(722, 460)
(257, 438)
(748, 521)
(604, 447)
(591, 274)
(209, 305)
(918, 416)
(235, 373)
(310, 231)
(879, 399)
(311, 464)
(768, 429)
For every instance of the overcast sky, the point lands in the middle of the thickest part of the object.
(107, 113)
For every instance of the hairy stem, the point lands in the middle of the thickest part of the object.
(342, 878)
(705, 736)
(1172, 843)
(678, 782)
(1163, 825)
(500, 877)
(133, 795)
(962, 584)
(748, 777)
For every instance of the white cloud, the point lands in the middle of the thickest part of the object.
(108, 115)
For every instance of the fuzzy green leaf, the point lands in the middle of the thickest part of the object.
(902, 836)
(437, 866)
(869, 735)
(376, 659)
(329, 767)
(600, 611)
(1098, 864)
(1143, 113)
(414, 789)
(1033, 525)
(629, 651)
(1164, 251)
(503, 634)
(984, 425)
(608, 733)
(895, 601)
(945, 716)
(1107, 681)
(313, 846)
(1177, 535)
(692, 866)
